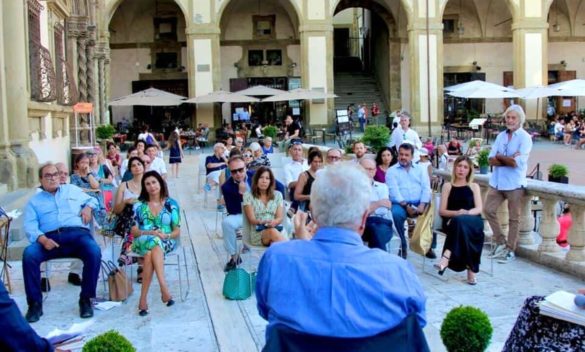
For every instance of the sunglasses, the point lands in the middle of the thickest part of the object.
(237, 171)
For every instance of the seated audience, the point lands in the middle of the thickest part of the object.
(378, 231)
(114, 158)
(263, 208)
(443, 157)
(308, 286)
(156, 164)
(410, 192)
(454, 147)
(429, 146)
(293, 169)
(474, 148)
(85, 179)
(267, 147)
(233, 194)
(306, 179)
(461, 209)
(157, 227)
(140, 147)
(334, 156)
(260, 159)
(124, 171)
(214, 164)
(56, 223)
(383, 161)
(359, 149)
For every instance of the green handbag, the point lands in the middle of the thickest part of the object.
(239, 284)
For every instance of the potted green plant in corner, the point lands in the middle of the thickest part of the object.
(270, 131)
(558, 173)
(110, 341)
(483, 161)
(376, 137)
(466, 329)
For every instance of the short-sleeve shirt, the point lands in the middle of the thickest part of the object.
(506, 178)
(293, 127)
(212, 159)
(379, 192)
(262, 212)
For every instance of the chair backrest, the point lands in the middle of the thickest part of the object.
(276, 159)
(202, 168)
(407, 336)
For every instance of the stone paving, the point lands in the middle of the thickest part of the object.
(205, 321)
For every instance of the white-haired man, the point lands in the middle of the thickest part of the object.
(403, 133)
(214, 164)
(509, 157)
(378, 231)
(333, 285)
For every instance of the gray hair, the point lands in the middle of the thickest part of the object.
(518, 110)
(340, 196)
(217, 145)
(268, 138)
(255, 146)
(336, 150)
(406, 114)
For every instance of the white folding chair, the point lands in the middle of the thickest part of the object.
(276, 159)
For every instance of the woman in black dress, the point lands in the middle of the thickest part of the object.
(305, 181)
(461, 209)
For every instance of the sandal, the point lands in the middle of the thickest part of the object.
(471, 281)
(142, 311)
(443, 267)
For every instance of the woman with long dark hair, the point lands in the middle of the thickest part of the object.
(157, 227)
(305, 181)
(383, 162)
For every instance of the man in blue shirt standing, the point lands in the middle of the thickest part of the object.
(410, 191)
(333, 285)
(56, 223)
(509, 157)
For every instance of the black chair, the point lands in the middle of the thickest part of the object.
(408, 336)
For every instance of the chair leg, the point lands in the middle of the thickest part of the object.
(186, 273)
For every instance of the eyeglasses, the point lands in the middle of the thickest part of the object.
(333, 158)
(51, 176)
(147, 162)
(237, 171)
(247, 155)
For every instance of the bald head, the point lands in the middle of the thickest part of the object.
(63, 172)
(369, 165)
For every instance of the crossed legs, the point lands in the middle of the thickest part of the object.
(153, 263)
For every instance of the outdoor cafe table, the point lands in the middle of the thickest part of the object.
(460, 128)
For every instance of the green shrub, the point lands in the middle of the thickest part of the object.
(466, 329)
(270, 131)
(376, 137)
(110, 341)
(483, 158)
(105, 131)
(558, 170)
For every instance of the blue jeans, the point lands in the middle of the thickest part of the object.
(74, 242)
(399, 215)
(378, 232)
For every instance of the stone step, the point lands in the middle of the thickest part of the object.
(17, 239)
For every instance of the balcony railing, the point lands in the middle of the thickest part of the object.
(66, 88)
(42, 74)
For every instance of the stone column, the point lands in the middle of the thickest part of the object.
(577, 234)
(317, 69)
(204, 69)
(77, 34)
(549, 226)
(91, 68)
(101, 53)
(16, 75)
(426, 67)
(530, 38)
(526, 221)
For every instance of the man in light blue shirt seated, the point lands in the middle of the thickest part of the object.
(333, 285)
(56, 222)
(410, 191)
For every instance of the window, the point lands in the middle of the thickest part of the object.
(264, 27)
(165, 29)
(166, 60)
(42, 74)
(274, 57)
(255, 57)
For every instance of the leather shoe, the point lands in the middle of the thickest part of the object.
(431, 254)
(34, 313)
(232, 264)
(74, 279)
(85, 308)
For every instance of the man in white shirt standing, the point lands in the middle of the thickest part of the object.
(157, 164)
(403, 133)
(378, 231)
(509, 157)
(295, 167)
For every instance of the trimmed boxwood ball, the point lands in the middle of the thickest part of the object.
(466, 329)
(110, 341)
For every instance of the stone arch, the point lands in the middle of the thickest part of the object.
(113, 5)
(512, 5)
(406, 6)
(290, 5)
(385, 14)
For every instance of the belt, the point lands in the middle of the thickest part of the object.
(67, 229)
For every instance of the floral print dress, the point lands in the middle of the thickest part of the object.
(262, 212)
(166, 221)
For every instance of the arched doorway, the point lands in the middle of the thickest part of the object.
(369, 41)
(260, 45)
(148, 49)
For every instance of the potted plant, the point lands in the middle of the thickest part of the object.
(466, 329)
(270, 131)
(483, 161)
(105, 132)
(558, 173)
(110, 341)
(376, 137)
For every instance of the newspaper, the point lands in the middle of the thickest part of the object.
(561, 305)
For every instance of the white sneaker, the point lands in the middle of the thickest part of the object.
(497, 251)
(508, 256)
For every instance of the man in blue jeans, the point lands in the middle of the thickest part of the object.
(56, 222)
(378, 231)
(410, 191)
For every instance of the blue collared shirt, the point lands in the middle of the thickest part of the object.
(46, 212)
(335, 286)
(411, 186)
(507, 178)
(232, 197)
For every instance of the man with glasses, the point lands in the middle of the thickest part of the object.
(233, 194)
(378, 229)
(56, 223)
(334, 156)
(509, 157)
(403, 133)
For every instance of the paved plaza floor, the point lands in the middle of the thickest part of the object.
(206, 321)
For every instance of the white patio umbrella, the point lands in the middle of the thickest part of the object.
(221, 96)
(485, 92)
(572, 88)
(300, 94)
(477, 84)
(536, 92)
(261, 91)
(149, 97)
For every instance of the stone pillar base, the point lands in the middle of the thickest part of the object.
(8, 169)
(26, 166)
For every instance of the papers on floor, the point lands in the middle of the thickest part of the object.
(59, 336)
(107, 305)
(561, 305)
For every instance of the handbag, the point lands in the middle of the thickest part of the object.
(119, 287)
(422, 236)
(238, 284)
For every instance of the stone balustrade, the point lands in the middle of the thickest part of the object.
(541, 246)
